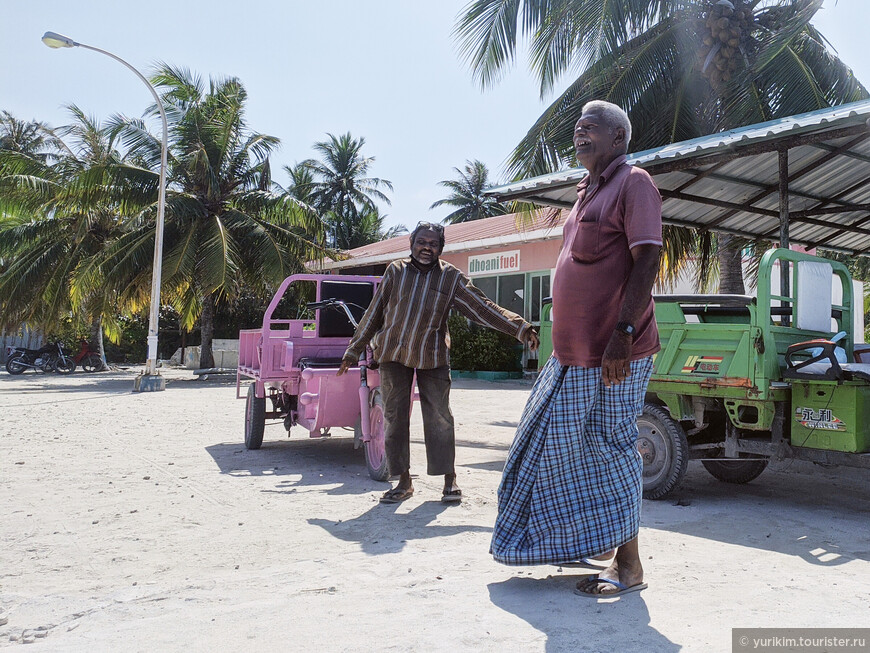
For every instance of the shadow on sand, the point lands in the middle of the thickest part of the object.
(96, 385)
(574, 623)
(793, 508)
(315, 461)
(383, 529)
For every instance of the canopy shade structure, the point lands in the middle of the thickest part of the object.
(800, 180)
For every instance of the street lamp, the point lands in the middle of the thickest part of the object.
(150, 380)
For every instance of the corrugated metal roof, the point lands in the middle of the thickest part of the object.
(730, 181)
(497, 231)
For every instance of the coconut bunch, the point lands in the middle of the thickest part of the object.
(727, 26)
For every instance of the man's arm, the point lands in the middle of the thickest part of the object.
(368, 326)
(473, 304)
(615, 364)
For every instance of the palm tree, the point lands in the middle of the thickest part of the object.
(57, 216)
(681, 69)
(367, 228)
(340, 188)
(23, 137)
(301, 186)
(225, 225)
(466, 195)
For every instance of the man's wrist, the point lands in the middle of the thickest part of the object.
(625, 328)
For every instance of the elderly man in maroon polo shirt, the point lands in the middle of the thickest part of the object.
(571, 488)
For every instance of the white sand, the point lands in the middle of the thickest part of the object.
(139, 522)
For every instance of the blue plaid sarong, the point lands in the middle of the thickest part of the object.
(572, 482)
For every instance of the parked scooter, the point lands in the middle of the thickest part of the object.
(50, 358)
(89, 359)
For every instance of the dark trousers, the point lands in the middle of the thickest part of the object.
(434, 387)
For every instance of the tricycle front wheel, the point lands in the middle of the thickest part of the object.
(375, 449)
(255, 419)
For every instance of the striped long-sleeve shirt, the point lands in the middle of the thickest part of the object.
(407, 319)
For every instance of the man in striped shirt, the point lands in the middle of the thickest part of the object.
(407, 326)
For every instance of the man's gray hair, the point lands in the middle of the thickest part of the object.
(613, 114)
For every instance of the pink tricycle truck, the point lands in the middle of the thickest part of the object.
(293, 364)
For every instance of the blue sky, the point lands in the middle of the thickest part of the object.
(386, 70)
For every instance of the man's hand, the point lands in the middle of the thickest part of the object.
(346, 364)
(615, 365)
(532, 340)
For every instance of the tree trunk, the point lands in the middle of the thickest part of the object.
(730, 267)
(96, 339)
(206, 329)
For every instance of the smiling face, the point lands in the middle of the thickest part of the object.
(426, 247)
(595, 142)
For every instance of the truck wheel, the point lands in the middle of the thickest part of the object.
(255, 419)
(662, 444)
(375, 449)
(735, 471)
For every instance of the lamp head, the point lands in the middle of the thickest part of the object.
(55, 40)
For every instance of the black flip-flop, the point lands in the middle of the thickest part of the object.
(595, 582)
(397, 495)
(451, 496)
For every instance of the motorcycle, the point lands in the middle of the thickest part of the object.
(50, 358)
(89, 359)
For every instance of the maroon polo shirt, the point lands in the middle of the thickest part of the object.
(624, 211)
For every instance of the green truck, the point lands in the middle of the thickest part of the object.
(742, 380)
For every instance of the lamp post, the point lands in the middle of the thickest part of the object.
(150, 380)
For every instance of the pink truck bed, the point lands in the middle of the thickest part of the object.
(291, 356)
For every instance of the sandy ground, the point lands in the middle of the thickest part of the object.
(138, 522)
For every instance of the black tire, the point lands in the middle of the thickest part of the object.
(92, 363)
(255, 419)
(64, 365)
(735, 471)
(15, 366)
(662, 444)
(375, 450)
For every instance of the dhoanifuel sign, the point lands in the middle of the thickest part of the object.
(494, 263)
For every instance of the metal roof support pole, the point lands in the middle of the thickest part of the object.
(784, 270)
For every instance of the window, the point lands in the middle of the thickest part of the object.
(521, 293)
(511, 293)
(540, 289)
(489, 286)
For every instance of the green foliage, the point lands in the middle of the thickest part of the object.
(132, 347)
(474, 348)
(681, 69)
